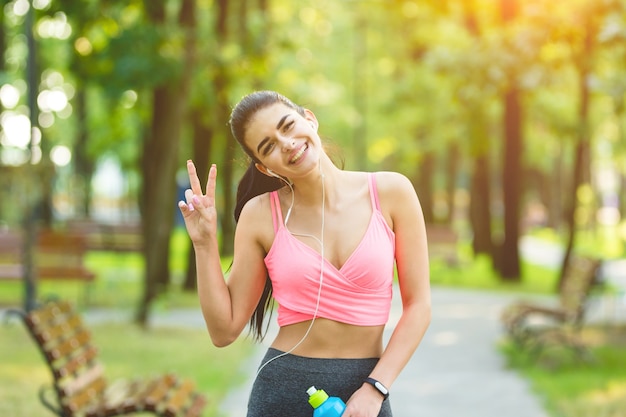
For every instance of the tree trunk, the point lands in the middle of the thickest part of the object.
(84, 167)
(452, 170)
(480, 207)
(554, 201)
(509, 261)
(508, 254)
(202, 142)
(480, 188)
(225, 173)
(581, 156)
(160, 163)
(618, 105)
(424, 185)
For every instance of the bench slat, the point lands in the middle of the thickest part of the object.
(178, 399)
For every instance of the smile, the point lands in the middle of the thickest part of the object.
(299, 154)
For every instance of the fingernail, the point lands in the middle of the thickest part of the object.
(191, 208)
(196, 200)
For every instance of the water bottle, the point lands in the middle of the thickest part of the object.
(323, 405)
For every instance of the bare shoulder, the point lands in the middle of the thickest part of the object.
(255, 220)
(398, 199)
(393, 184)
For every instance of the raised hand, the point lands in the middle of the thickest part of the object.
(199, 210)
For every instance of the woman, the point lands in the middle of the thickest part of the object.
(323, 242)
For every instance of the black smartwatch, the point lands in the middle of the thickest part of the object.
(379, 386)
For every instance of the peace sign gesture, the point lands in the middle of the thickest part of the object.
(199, 210)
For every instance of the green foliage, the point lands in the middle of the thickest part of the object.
(129, 62)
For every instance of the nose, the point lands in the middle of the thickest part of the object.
(288, 144)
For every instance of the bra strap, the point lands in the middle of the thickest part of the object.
(277, 215)
(373, 191)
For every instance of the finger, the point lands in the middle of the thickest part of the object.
(188, 195)
(210, 185)
(185, 208)
(196, 187)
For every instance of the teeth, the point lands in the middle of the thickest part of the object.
(299, 154)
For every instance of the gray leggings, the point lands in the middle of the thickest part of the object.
(280, 388)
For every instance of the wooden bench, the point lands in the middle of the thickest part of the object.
(442, 243)
(78, 377)
(534, 326)
(118, 237)
(10, 255)
(56, 256)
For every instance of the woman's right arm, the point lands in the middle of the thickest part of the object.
(226, 306)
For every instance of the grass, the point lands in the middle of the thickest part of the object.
(570, 387)
(477, 273)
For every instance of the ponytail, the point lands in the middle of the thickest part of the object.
(253, 183)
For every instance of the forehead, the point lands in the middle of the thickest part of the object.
(264, 121)
(269, 113)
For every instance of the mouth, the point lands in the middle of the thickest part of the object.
(294, 159)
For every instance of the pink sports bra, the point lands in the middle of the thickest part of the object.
(358, 293)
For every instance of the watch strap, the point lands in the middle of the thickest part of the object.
(379, 387)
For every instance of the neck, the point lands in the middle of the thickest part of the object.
(308, 190)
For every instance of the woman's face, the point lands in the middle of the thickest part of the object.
(284, 141)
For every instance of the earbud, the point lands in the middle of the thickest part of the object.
(272, 173)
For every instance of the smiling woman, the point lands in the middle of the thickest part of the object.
(328, 261)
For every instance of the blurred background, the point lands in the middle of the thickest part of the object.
(507, 115)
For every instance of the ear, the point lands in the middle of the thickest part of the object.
(310, 117)
(262, 169)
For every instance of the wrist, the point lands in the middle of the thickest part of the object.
(378, 386)
(206, 244)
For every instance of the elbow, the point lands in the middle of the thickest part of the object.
(222, 339)
(427, 313)
(221, 343)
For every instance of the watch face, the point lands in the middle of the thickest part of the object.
(381, 387)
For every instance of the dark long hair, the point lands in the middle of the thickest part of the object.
(254, 182)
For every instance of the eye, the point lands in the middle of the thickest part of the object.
(288, 126)
(268, 148)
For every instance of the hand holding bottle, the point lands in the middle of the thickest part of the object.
(323, 405)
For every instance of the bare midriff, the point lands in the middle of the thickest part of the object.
(331, 339)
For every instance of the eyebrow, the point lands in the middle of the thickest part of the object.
(278, 126)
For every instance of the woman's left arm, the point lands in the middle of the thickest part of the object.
(401, 207)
